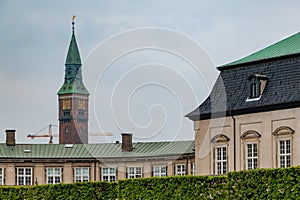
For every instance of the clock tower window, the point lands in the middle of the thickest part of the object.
(81, 113)
(66, 113)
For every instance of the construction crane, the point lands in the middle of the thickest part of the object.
(51, 135)
(100, 134)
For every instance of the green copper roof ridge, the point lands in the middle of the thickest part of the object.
(287, 46)
(73, 88)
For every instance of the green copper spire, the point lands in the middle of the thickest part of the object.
(73, 56)
(73, 76)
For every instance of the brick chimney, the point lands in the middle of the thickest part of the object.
(10, 137)
(126, 142)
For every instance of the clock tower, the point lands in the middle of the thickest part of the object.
(73, 99)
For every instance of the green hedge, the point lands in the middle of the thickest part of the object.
(86, 190)
(175, 187)
(283, 183)
(254, 184)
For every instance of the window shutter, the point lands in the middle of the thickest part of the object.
(174, 172)
(142, 172)
(16, 176)
(100, 173)
(152, 171)
(166, 170)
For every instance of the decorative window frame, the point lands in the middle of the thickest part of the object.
(81, 177)
(134, 172)
(24, 175)
(111, 175)
(250, 137)
(219, 141)
(54, 175)
(180, 169)
(158, 170)
(280, 134)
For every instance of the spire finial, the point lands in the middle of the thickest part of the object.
(73, 22)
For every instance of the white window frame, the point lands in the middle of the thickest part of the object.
(193, 168)
(109, 174)
(54, 175)
(180, 169)
(134, 172)
(81, 176)
(251, 157)
(26, 178)
(284, 155)
(159, 170)
(221, 163)
(1, 176)
(219, 141)
(250, 161)
(284, 158)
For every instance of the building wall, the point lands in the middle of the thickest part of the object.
(264, 123)
(39, 168)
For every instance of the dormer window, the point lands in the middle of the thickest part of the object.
(257, 85)
(254, 88)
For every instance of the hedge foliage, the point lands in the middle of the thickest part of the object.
(86, 190)
(254, 184)
(174, 187)
(282, 183)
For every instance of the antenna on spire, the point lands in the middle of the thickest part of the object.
(73, 22)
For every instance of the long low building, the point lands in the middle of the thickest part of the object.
(29, 164)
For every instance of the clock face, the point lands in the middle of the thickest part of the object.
(81, 105)
(66, 105)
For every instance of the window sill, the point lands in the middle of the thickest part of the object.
(253, 99)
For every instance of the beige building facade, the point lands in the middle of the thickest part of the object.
(258, 142)
(251, 119)
(32, 164)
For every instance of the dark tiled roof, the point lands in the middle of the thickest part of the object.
(90, 151)
(231, 89)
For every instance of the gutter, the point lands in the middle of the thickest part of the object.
(234, 140)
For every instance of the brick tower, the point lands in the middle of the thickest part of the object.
(73, 99)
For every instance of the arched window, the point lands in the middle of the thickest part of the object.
(284, 146)
(220, 157)
(250, 140)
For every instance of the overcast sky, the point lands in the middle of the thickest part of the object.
(35, 36)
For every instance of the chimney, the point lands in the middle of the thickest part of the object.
(10, 137)
(126, 142)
